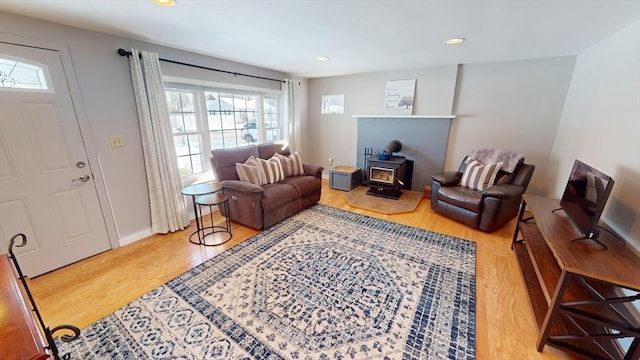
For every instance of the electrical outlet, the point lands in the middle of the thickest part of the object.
(116, 141)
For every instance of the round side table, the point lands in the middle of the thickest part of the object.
(194, 191)
(214, 235)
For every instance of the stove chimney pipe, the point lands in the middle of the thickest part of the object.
(394, 146)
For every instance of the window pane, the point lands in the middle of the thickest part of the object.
(186, 101)
(190, 122)
(272, 135)
(182, 145)
(213, 102)
(19, 75)
(271, 119)
(196, 161)
(173, 100)
(194, 144)
(230, 138)
(216, 140)
(184, 164)
(177, 125)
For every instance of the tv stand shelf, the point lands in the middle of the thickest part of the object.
(582, 296)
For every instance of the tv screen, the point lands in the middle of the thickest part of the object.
(585, 196)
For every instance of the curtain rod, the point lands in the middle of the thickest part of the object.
(123, 52)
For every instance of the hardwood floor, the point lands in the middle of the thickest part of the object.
(84, 292)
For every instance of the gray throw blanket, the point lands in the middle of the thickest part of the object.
(491, 156)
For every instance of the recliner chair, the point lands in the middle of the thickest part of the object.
(487, 209)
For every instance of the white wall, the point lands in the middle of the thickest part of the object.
(104, 80)
(600, 125)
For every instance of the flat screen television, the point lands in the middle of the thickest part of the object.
(585, 197)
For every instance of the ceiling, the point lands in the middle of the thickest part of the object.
(357, 35)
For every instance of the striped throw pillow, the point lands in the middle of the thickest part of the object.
(479, 176)
(272, 170)
(291, 165)
(249, 173)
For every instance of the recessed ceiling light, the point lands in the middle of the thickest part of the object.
(164, 2)
(455, 41)
(322, 58)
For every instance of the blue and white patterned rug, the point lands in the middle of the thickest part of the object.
(324, 284)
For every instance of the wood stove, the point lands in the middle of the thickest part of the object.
(386, 176)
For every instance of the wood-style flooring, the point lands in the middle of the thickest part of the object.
(81, 293)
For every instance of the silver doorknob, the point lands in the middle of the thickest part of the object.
(83, 178)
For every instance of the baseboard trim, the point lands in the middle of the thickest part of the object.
(131, 238)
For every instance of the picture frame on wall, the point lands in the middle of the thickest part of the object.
(332, 104)
(398, 97)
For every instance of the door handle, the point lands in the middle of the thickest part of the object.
(83, 178)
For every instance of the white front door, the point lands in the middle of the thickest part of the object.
(47, 190)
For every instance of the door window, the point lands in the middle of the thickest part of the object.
(17, 74)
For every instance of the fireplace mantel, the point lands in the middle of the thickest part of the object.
(406, 116)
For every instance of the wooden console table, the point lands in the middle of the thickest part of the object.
(584, 299)
(23, 333)
(20, 336)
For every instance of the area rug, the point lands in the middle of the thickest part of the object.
(324, 284)
(407, 202)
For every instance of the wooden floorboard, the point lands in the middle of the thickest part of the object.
(81, 293)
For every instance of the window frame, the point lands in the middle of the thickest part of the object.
(200, 87)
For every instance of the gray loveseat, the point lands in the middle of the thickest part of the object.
(257, 206)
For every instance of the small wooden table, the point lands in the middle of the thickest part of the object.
(194, 191)
(344, 178)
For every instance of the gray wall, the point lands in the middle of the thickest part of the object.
(513, 105)
(600, 125)
(104, 80)
(335, 135)
(424, 141)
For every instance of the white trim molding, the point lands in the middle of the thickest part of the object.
(406, 116)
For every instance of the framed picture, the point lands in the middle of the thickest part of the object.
(398, 97)
(332, 104)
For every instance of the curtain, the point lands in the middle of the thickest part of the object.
(290, 89)
(168, 206)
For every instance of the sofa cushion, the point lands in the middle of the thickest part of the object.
(479, 176)
(224, 161)
(461, 196)
(267, 150)
(303, 184)
(276, 195)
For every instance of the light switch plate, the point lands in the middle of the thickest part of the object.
(117, 141)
